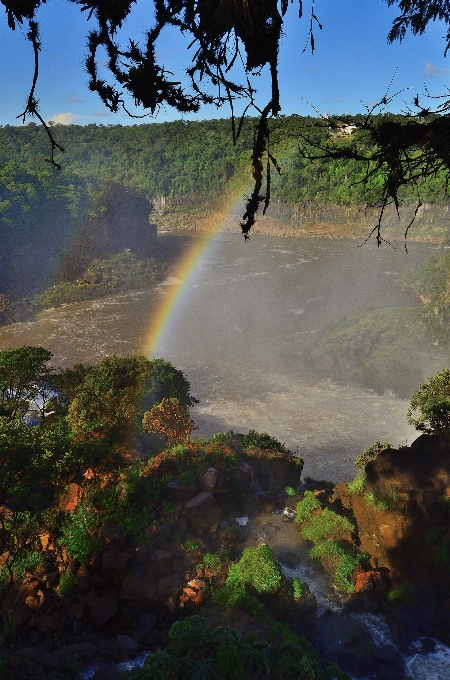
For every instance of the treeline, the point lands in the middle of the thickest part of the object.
(114, 177)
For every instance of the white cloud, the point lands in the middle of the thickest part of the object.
(66, 118)
(101, 113)
(432, 71)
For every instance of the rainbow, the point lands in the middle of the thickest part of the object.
(180, 281)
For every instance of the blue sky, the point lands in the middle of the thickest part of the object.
(352, 64)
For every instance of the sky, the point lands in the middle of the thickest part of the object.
(351, 68)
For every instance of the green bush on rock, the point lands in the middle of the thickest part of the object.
(432, 401)
(257, 569)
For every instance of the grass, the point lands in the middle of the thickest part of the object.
(305, 507)
(358, 485)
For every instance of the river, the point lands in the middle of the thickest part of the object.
(246, 315)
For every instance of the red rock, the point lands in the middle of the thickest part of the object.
(70, 499)
(197, 583)
(46, 623)
(363, 580)
(213, 481)
(33, 602)
(190, 592)
(103, 610)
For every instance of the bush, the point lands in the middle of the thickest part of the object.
(304, 507)
(432, 401)
(326, 526)
(262, 440)
(370, 454)
(78, 533)
(289, 491)
(358, 485)
(257, 569)
(67, 584)
(342, 561)
(297, 587)
(401, 593)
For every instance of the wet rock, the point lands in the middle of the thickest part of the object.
(103, 610)
(202, 513)
(125, 647)
(107, 671)
(40, 657)
(85, 651)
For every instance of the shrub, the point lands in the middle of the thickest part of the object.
(262, 440)
(214, 561)
(304, 507)
(78, 533)
(257, 569)
(358, 485)
(401, 593)
(370, 454)
(432, 401)
(289, 491)
(67, 584)
(297, 587)
(344, 563)
(326, 526)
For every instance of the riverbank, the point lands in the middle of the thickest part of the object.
(315, 220)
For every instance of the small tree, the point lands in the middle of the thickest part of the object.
(171, 419)
(23, 378)
(432, 400)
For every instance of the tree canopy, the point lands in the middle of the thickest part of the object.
(248, 31)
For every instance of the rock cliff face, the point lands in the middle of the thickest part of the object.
(403, 513)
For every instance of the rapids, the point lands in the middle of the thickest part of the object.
(244, 318)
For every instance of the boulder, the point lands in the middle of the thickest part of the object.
(125, 647)
(169, 585)
(40, 657)
(160, 562)
(202, 513)
(107, 671)
(83, 650)
(138, 585)
(22, 614)
(46, 623)
(213, 481)
(274, 470)
(115, 560)
(111, 534)
(103, 610)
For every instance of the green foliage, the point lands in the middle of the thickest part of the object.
(402, 593)
(23, 377)
(223, 438)
(67, 584)
(297, 587)
(118, 273)
(432, 401)
(325, 526)
(358, 485)
(290, 491)
(385, 504)
(370, 454)
(342, 562)
(257, 569)
(214, 561)
(380, 349)
(262, 440)
(304, 507)
(190, 544)
(78, 533)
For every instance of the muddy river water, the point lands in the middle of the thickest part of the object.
(245, 316)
